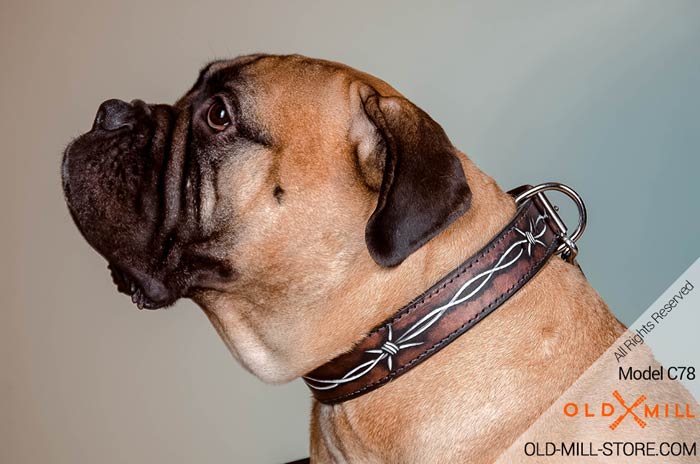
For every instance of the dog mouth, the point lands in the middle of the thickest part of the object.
(120, 182)
(127, 285)
(130, 286)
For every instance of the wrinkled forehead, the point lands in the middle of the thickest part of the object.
(217, 76)
(278, 76)
(273, 74)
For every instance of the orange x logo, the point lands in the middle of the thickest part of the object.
(628, 410)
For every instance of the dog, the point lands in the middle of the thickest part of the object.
(300, 203)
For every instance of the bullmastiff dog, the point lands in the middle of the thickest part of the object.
(300, 203)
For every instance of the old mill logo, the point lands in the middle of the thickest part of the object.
(640, 411)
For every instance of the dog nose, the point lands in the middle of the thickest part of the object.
(115, 114)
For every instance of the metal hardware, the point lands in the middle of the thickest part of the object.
(567, 248)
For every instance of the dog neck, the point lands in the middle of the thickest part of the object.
(373, 294)
(453, 305)
(394, 423)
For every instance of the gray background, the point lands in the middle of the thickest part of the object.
(600, 95)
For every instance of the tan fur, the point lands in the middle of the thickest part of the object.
(308, 289)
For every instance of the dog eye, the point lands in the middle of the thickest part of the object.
(217, 116)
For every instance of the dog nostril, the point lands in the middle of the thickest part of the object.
(115, 114)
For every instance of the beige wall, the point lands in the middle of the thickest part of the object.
(602, 95)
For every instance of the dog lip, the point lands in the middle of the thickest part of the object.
(65, 173)
(130, 285)
(64, 163)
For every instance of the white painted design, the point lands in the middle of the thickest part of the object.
(392, 346)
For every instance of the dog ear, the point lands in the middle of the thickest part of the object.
(423, 188)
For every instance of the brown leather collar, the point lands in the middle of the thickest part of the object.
(450, 307)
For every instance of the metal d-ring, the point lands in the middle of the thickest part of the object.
(567, 248)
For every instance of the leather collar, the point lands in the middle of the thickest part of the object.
(454, 304)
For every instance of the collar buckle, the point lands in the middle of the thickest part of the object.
(567, 248)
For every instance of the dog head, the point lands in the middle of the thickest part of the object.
(270, 184)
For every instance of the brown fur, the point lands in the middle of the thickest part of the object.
(308, 290)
